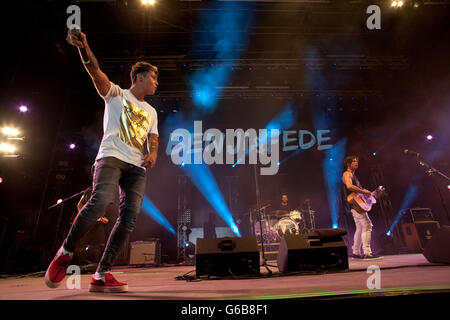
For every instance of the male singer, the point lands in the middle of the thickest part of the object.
(129, 122)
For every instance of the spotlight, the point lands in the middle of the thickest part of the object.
(400, 4)
(374, 154)
(388, 233)
(23, 108)
(148, 2)
(393, 3)
(59, 201)
(417, 3)
(7, 148)
(1, 180)
(11, 132)
(448, 187)
(189, 248)
(72, 146)
(429, 137)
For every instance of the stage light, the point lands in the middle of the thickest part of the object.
(335, 226)
(407, 200)
(332, 172)
(148, 2)
(448, 187)
(388, 233)
(72, 146)
(59, 201)
(1, 180)
(397, 4)
(417, 3)
(23, 108)
(374, 154)
(10, 132)
(149, 208)
(429, 137)
(7, 148)
(201, 176)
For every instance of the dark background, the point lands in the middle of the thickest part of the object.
(383, 90)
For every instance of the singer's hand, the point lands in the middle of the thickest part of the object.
(77, 41)
(149, 160)
(367, 192)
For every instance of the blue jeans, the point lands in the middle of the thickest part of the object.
(109, 173)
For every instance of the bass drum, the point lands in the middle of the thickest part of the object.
(295, 215)
(287, 226)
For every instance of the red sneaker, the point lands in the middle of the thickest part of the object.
(109, 285)
(57, 269)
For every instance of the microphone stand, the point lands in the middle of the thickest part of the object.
(432, 171)
(61, 204)
(259, 209)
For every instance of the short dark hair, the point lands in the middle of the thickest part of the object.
(349, 159)
(141, 67)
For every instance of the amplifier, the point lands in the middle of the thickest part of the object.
(417, 234)
(145, 252)
(314, 251)
(417, 214)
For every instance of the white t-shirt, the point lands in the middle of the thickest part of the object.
(126, 125)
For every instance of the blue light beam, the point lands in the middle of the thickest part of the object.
(151, 210)
(407, 200)
(203, 179)
(332, 171)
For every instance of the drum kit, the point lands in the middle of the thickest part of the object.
(276, 224)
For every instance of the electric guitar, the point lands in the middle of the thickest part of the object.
(363, 203)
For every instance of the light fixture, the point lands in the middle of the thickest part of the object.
(10, 132)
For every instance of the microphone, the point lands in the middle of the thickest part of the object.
(75, 31)
(410, 152)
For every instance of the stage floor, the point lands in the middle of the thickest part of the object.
(400, 275)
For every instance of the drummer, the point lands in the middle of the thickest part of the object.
(284, 207)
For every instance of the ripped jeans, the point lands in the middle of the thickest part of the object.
(362, 233)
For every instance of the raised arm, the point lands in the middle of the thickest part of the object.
(90, 62)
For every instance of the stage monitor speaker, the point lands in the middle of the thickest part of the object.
(316, 251)
(437, 249)
(417, 234)
(226, 256)
(145, 252)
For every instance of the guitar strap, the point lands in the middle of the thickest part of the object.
(356, 181)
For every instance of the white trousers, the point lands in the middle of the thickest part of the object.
(362, 233)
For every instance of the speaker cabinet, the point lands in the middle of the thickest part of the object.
(145, 252)
(312, 252)
(417, 234)
(437, 249)
(226, 256)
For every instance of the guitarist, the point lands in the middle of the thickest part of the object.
(362, 221)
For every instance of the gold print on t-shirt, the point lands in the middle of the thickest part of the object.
(134, 124)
